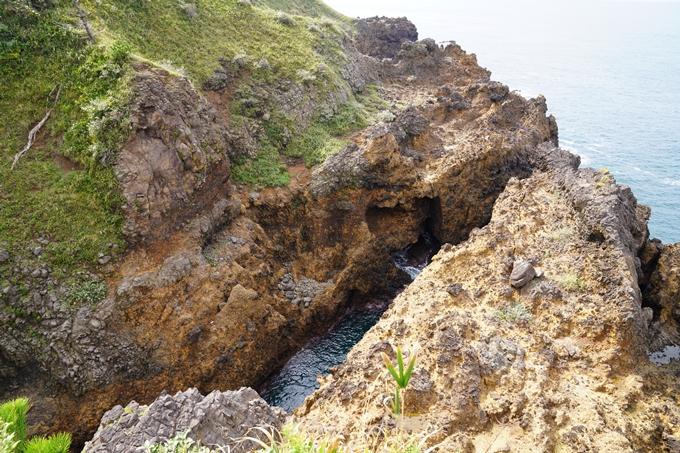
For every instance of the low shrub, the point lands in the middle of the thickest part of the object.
(285, 19)
(90, 292)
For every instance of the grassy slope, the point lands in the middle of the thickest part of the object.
(77, 204)
(78, 209)
(161, 31)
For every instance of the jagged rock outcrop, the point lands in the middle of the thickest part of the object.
(382, 37)
(555, 365)
(203, 307)
(176, 161)
(220, 419)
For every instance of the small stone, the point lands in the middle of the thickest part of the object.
(4, 255)
(289, 295)
(307, 300)
(37, 251)
(454, 289)
(306, 304)
(221, 305)
(266, 117)
(104, 259)
(539, 272)
(296, 301)
(253, 197)
(522, 273)
(36, 273)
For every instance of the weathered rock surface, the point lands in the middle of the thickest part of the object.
(662, 296)
(557, 365)
(218, 419)
(176, 138)
(382, 37)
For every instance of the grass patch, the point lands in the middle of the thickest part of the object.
(314, 145)
(571, 282)
(89, 292)
(13, 431)
(266, 170)
(515, 312)
(290, 440)
(323, 138)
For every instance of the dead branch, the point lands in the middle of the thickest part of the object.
(36, 129)
(84, 21)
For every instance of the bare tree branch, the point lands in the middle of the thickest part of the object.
(84, 21)
(36, 129)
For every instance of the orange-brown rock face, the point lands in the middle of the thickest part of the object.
(557, 365)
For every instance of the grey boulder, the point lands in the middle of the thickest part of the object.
(522, 273)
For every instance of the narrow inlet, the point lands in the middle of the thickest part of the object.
(297, 379)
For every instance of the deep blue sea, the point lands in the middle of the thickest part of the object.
(609, 70)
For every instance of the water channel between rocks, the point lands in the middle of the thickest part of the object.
(297, 379)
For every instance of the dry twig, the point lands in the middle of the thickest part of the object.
(36, 129)
(84, 21)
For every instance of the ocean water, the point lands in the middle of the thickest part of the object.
(609, 70)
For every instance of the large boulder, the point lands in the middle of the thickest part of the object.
(214, 420)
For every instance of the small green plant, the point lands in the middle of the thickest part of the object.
(515, 312)
(13, 432)
(572, 282)
(290, 440)
(401, 377)
(88, 292)
(181, 443)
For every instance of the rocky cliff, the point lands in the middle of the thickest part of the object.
(222, 283)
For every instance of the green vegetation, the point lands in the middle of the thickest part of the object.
(290, 440)
(162, 31)
(64, 189)
(321, 140)
(401, 377)
(311, 8)
(13, 432)
(89, 292)
(264, 171)
(181, 443)
(572, 282)
(64, 186)
(515, 312)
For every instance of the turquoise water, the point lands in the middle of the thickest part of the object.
(609, 70)
(289, 388)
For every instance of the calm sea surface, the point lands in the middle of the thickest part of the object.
(609, 70)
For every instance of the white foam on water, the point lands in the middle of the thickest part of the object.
(665, 356)
(671, 182)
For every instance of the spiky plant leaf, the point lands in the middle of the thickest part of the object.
(390, 368)
(400, 363)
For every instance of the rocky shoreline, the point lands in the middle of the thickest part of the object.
(222, 284)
